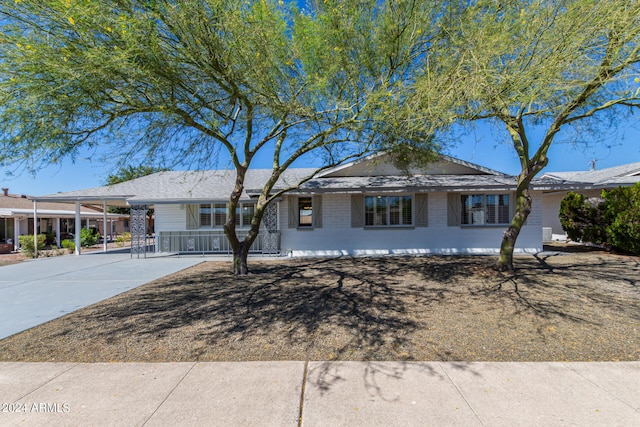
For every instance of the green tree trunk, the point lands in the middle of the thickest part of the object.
(523, 209)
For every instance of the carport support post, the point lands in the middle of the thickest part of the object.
(35, 229)
(58, 232)
(77, 228)
(104, 224)
(16, 233)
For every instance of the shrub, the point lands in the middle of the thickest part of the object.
(584, 219)
(623, 215)
(122, 239)
(87, 237)
(613, 221)
(49, 239)
(68, 244)
(26, 244)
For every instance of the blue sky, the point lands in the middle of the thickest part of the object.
(611, 148)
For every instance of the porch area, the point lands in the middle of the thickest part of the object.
(213, 242)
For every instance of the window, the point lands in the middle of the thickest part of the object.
(215, 215)
(388, 210)
(481, 209)
(247, 210)
(305, 212)
(205, 215)
(219, 214)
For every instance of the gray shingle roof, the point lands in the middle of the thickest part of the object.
(614, 176)
(217, 185)
(176, 186)
(421, 183)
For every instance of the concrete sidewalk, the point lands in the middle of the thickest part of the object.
(320, 394)
(36, 291)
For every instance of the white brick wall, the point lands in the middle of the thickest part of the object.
(337, 237)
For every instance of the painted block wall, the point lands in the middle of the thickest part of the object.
(337, 237)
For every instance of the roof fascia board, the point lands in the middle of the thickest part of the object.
(73, 199)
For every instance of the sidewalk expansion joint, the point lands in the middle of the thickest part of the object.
(304, 384)
(599, 387)
(47, 382)
(170, 393)
(461, 394)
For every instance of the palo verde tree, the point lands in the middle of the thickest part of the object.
(535, 68)
(127, 173)
(196, 81)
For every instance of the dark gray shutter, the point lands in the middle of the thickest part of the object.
(453, 209)
(422, 210)
(293, 211)
(357, 211)
(192, 217)
(317, 211)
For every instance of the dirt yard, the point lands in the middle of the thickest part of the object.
(568, 307)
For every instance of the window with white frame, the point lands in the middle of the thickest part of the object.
(205, 215)
(388, 211)
(215, 215)
(485, 209)
(219, 214)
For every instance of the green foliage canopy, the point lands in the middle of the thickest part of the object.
(184, 82)
(533, 68)
(177, 82)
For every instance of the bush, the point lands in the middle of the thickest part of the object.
(68, 244)
(613, 221)
(623, 215)
(584, 219)
(87, 237)
(122, 239)
(50, 239)
(27, 247)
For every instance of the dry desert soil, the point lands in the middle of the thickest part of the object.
(581, 306)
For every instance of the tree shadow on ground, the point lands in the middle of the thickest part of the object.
(370, 309)
(364, 299)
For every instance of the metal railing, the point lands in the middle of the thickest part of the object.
(214, 242)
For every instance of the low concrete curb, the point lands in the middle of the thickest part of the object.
(320, 394)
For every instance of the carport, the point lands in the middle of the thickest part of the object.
(103, 201)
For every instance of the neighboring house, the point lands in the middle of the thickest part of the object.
(366, 207)
(17, 218)
(590, 183)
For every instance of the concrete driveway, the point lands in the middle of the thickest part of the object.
(36, 291)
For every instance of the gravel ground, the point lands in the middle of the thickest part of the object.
(12, 258)
(568, 307)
